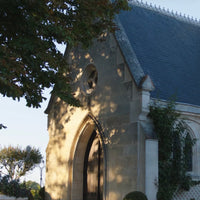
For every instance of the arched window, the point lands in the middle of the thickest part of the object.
(183, 151)
(188, 143)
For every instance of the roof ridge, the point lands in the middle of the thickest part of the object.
(167, 12)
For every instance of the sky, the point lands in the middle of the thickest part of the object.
(187, 7)
(28, 126)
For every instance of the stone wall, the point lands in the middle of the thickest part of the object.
(4, 197)
(115, 109)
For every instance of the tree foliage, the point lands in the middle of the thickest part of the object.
(136, 195)
(16, 162)
(174, 146)
(29, 59)
(2, 126)
(35, 190)
(32, 185)
(13, 188)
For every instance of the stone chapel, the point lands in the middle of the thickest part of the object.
(107, 147)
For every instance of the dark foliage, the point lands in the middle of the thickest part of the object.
(173, 150)
(13, 188)
(29, 59)
(136, 195)
(42, 193)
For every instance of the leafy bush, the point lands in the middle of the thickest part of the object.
(13, 188)
(38, 194)
(136, 195)
(175, 146)
(42, 193)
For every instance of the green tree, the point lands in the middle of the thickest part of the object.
(2, 126)
(13, 187)
(32, 185)
(29, 59)
(16, 162)
(173, 150)
(34, 189)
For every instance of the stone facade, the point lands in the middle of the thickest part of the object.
(113, 81)
(116, 109)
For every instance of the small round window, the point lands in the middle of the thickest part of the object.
(90, 78)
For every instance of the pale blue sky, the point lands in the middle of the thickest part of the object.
(28, 126)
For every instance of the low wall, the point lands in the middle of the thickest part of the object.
(4, 197)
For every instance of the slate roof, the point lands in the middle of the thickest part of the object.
(164, 47)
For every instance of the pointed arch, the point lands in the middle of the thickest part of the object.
(80, 144)
(192, 153)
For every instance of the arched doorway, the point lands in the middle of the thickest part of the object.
(88, 138)
(93, 169)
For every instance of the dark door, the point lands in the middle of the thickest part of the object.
(93, 170)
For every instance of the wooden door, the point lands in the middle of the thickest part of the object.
(93, 170)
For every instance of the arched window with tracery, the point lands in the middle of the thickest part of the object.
(188, 143)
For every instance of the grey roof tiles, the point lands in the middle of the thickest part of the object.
(167, 49)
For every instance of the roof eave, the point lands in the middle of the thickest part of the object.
(128, 53)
